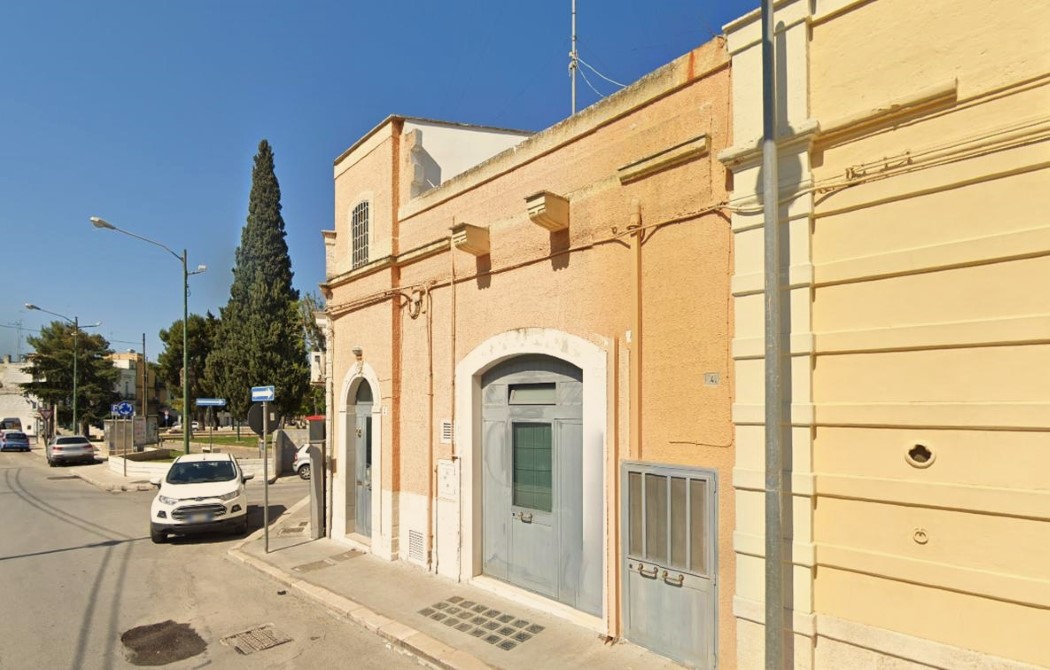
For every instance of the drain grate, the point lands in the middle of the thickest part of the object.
(256, 639)
(500, 629)
(346, 555)
(311, 567)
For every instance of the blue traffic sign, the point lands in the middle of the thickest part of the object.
(262, 394)
(211, 402)
(124, 409)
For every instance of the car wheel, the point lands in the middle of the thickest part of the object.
(158, 536)
(50, 462)
(304, 472)
(242, 527)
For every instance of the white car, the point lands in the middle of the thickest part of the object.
(301, 464)
(201, 493)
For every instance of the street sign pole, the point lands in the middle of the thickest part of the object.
(266, 480)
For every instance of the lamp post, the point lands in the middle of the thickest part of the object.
(76, 332)
(102, 223)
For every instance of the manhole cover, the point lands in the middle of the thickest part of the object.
(256, 639)
(161, 643)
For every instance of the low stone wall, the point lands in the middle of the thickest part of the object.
(146, 469)
(149, 455)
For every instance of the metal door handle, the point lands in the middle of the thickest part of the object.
(526, 517)
(643, 573)
(676, 581)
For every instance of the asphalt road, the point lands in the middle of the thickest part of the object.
(82, 586)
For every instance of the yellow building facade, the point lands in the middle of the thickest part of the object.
(914, 175)
(529, 370)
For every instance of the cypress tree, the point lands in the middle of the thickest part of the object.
(259, 341)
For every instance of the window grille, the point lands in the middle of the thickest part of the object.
(359, 234)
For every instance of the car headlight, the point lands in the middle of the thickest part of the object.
(165, 500)
(229, 496)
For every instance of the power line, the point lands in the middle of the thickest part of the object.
(611, 81)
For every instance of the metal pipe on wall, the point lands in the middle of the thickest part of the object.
(774, 352)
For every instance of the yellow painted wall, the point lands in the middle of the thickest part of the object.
(918, 249)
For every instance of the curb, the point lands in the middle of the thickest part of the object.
(407, 639)
(114, 487)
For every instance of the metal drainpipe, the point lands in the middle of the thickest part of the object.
(774, 351)
(330, 413)
(636, 330)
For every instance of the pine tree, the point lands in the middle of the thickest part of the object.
(259, 341)
(51, 366)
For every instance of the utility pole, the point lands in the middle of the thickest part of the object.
(574, 58)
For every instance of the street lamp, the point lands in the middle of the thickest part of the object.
(76, 331)
(102, 223)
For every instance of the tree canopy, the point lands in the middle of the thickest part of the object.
(260, 339)
(51, 365)
(200, 337)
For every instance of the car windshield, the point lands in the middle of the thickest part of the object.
(201, 472)
(16, 436)
(70, 440)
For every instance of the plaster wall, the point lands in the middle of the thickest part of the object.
(12, 402)
(457, 148)
(916, 170)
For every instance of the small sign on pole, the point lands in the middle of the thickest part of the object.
(265, 395)
(211, 402)
(262, 394)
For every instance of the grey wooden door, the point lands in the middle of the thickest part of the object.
(363, 460)
(532, 515)
(670, 585)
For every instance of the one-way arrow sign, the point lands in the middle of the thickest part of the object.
(262, 394)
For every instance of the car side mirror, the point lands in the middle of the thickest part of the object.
(247, 476)
(155, 481)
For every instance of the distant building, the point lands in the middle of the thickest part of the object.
(13, 404)
(131, 386)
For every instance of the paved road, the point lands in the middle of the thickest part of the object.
(78, 572)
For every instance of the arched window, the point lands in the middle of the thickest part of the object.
(359, 234)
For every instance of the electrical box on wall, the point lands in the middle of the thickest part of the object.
(448, 480)
(317, 360)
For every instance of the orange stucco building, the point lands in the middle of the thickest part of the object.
(529, 360)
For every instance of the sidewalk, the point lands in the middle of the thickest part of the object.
(447, 624)
(101, 476)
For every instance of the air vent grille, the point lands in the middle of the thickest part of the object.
(416, 551)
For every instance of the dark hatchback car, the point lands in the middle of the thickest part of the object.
(13, 440)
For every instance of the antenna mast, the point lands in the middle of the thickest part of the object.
(573, 58)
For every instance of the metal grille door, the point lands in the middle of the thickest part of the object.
(670, 589)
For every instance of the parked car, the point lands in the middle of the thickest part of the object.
(13, 440)
(301, 464)
(69, 448)
(201, 493)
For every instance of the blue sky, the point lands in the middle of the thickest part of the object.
(148, 114)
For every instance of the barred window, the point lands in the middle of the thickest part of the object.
(359, 234)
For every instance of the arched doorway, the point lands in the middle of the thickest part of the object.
(360, 448)
(532, 463)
